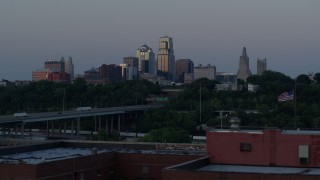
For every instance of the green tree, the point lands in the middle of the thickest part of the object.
(169, 135)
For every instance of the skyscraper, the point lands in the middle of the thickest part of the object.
(244, 71)
(131, 61)
(146, 60)
(261, 66)
(183, 66)
(111, 72)
(69, 68)
(55, 66)
(166, 59)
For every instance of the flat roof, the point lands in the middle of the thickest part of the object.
(303, 132)
(38, 156)
(236, 131)
(260, 169)
(282, 131)
(47, 155)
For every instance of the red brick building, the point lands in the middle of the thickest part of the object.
(270, 154)
(246, 154)
(268, 147)
(89, 160)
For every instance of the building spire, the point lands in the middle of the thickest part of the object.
(244, 52)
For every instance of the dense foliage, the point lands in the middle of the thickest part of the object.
(44, 96)
(269, 112)
(183, 115)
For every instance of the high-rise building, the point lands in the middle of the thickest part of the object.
(146, 60)
(128, 73)
(69, 68)
(111, 72)
(208, 71)
(55, 66)
(40, 74)
(92, 76)
(131, 61)
(166, 59)
(261, 66)
(244, 71)
(53, 71)
(183, 66)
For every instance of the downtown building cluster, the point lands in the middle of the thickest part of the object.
(162, 68)
(57, 71)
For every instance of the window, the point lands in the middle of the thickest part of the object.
(145, 170)
(245, 147)
(303, 154)
(81, 176)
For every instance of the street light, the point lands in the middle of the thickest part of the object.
(221, 113)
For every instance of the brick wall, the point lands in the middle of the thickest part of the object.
(147, 165)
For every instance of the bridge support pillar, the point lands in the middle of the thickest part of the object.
(52, 128)
(60, 130)
(22, 129)
(72, 127)
(107, 124)
(78, 126)
(111, 130)
(119, 121)
(99, 123)
(4, 131)
(64, 127)
(95, 123)
(48, 129)
(15, 130)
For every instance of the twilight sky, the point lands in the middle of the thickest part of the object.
(286, 32)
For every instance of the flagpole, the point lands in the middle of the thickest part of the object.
(295, 103)
(200, 103)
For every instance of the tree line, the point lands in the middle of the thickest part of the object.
(183, 115)
(47, 96)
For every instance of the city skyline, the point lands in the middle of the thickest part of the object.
(94, 33)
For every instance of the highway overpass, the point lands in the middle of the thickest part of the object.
(74, 117)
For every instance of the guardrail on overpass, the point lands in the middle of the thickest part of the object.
(49, 116)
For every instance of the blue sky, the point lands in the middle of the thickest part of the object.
(286, 32)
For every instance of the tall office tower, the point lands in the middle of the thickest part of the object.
(131, 61)
(111, 72)
(55, 66)
(69, 68)
(146, 60)
(166, 59)
(128, 73)
(208, 71)
(183, 66)
(261, 66)
(244, 71)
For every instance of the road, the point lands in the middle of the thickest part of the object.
(34, 117)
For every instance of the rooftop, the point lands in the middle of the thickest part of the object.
(55, 151)
(282, 131)
(260, 169)
(47, 155)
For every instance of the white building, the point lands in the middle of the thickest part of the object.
(208, 71)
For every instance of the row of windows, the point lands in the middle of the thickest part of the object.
(303, 152)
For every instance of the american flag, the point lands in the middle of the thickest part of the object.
(286, 96)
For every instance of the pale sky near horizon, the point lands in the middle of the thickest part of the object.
(286, 32)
